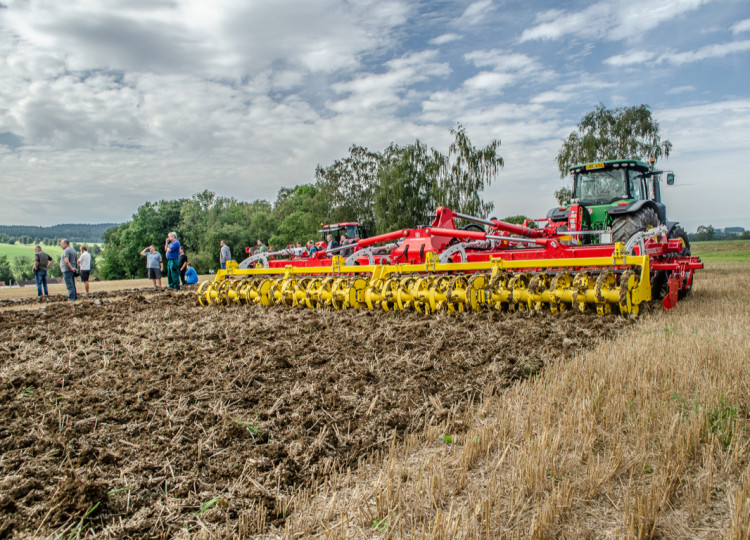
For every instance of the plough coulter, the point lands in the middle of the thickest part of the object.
(484, 265)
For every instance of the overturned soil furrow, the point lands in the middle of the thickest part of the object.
(152, 407)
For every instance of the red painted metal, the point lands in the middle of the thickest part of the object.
(673, 285)
(413, 245)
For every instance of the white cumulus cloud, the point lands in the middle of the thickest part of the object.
(717, 50)
(611, 19)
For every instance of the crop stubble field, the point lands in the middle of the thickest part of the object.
(138, 413)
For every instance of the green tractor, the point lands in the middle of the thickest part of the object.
(614, 200)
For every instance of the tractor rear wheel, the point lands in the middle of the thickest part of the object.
(626, 226)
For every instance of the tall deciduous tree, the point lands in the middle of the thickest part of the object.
(466, 171)
(408, 186)
(603, 134)
(299, 212)
(6, 274)
(706, 233)
(349, 186)
(23, 269)
(414, 180)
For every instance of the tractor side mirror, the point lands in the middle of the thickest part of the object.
(670, 179)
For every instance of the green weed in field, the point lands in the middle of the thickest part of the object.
(210, 503)
(250, 427)
(379, 525)
(27, 392)
(723, 422)
(82, 524)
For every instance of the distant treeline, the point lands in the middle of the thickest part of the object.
(389, 190)
(707, 233)
(75, 232)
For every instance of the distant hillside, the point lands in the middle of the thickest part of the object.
(75, 232)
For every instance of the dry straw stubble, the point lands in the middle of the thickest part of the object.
(644, 435)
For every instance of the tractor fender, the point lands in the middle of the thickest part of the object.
(670, 227)
(616, 211)
(558, 214)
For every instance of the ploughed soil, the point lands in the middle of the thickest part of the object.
(142, 414)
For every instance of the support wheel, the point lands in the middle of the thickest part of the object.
(659, 286)
(679, 232)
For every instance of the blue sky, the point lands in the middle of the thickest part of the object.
(107, 104)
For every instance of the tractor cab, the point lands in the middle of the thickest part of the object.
(350, 229)
(600, 187)
(606, 192)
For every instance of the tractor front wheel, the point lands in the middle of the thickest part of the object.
(626, 226)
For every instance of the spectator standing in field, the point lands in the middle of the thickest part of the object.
(172, 247)
(42, 261)
(225, 255)
(311, 249)
(191, 276)
(261, 247)
(154, 264)
(84, 265)
(343, 241)
(68, 268)
(331, 242)
(182, 262)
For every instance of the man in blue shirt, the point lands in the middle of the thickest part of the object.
(311, 249)
(172, 248)
(191, 276)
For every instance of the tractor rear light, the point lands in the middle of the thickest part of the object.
(623, 203)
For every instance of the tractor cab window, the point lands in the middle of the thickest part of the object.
(637, 186)
(351, 231)
(600, 187)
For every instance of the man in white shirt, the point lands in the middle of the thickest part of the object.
(84, 265)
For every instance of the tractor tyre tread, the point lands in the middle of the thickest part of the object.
(626, 226)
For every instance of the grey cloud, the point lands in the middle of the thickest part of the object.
(321, 36)
(11, 140)
(115, 42)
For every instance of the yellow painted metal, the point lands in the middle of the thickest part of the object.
(540, 284)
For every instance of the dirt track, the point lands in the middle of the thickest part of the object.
(153, 407)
